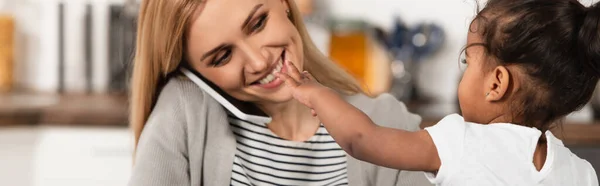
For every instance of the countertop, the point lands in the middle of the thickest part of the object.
(572, 134)
(76, 109)
(112, 110)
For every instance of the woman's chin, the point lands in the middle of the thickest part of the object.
(283, 95)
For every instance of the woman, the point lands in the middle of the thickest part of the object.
(188, 138)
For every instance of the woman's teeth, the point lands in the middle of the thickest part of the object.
(272, 76)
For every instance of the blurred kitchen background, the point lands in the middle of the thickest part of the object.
(64, 66)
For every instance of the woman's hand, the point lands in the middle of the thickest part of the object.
(304, 85)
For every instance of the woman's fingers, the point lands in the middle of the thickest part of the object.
(293, 71)
(287, 79)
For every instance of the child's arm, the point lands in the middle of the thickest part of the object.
(361, 138)
(356, 133)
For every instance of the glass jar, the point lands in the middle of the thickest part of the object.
(7, 31)
(354, 47)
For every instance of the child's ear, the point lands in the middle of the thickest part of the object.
(499, 81)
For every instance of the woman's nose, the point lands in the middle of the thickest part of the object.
(255, 61)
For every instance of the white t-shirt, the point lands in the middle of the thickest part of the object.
(502, 154)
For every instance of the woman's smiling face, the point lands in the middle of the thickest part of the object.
(239, 44)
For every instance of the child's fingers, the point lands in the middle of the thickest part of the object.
(293, 71)
(312, 111)
(287, 79)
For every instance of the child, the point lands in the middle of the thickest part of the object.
(529, 63)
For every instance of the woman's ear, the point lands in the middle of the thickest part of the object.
(498, 84)
(286, 5)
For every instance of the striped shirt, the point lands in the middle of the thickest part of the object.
(263, 158)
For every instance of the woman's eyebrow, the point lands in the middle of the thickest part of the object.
(250, 15)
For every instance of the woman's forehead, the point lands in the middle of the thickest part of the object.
(219, 17)
(213, 11)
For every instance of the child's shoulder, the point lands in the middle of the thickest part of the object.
(560, 161)
(454, 128)
(452, 122)
(455, 122)
(562, 155)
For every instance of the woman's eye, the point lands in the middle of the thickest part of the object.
(221, 58)
(260, 24)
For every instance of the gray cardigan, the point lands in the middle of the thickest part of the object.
(187, 141)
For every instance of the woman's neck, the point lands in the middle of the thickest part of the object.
(291, 120)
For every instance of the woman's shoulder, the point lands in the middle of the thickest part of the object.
(183, 93)
(363, 101)
(180, 88)
(386, 110)
(382, 102)
(182, 104)
(173, 100)
(183, 101)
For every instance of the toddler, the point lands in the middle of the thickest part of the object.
(529, 64)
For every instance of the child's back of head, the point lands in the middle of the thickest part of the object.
(555, 47)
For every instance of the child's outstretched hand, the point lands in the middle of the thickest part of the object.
(304, 86)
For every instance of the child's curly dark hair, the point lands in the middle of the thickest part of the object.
(556, 43)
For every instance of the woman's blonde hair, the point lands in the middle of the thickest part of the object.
(162, 26)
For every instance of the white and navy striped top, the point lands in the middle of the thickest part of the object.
(263, 158)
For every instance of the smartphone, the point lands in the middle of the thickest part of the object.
(242, 110)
